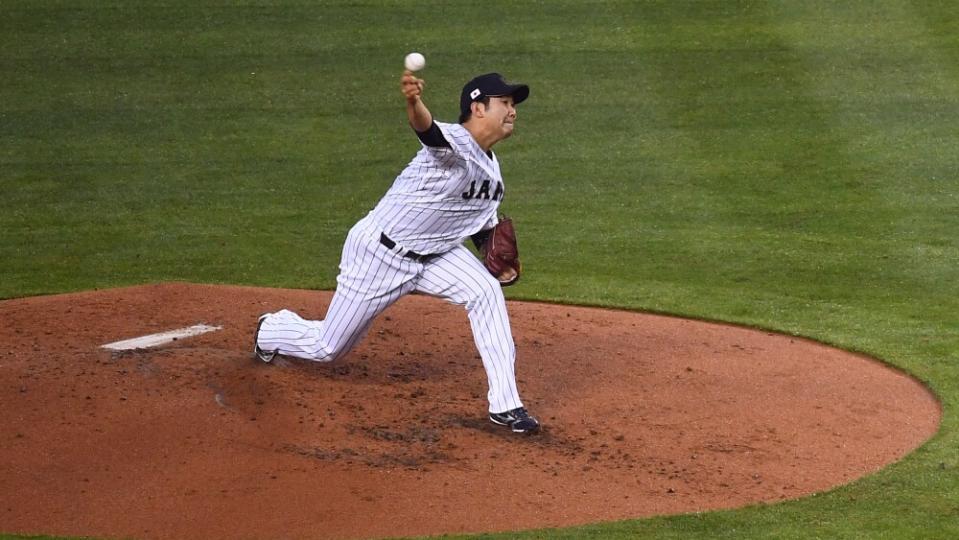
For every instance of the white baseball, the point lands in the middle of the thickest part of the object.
(414, 61)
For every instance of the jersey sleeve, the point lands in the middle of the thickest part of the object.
(457, 137)
(433, 137)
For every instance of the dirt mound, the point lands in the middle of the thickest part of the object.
(642, 415)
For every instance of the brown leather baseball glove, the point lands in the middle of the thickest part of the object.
(500, 253)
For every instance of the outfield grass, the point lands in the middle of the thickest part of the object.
(787, 165)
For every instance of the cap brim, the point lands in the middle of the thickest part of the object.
(519, 93)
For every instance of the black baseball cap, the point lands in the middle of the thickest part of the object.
(490, 85)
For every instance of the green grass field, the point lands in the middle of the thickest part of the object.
(787, 165)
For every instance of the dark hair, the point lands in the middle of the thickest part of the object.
(464, 116)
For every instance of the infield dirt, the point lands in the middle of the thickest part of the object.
(642, 415)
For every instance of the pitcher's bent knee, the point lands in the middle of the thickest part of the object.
(489, 293)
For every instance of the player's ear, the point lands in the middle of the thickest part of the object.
(478, 108)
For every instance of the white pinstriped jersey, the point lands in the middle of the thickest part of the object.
(443, 196)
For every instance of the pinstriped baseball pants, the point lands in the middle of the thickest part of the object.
(372, 278)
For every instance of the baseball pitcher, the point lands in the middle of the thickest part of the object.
(412, 241)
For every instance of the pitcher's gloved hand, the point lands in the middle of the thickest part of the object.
(500, 254)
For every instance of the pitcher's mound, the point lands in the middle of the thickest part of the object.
(642, 415)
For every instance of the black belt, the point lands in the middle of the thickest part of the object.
(385, 240)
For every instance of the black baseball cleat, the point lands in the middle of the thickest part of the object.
(266, 356)
(517, 420)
